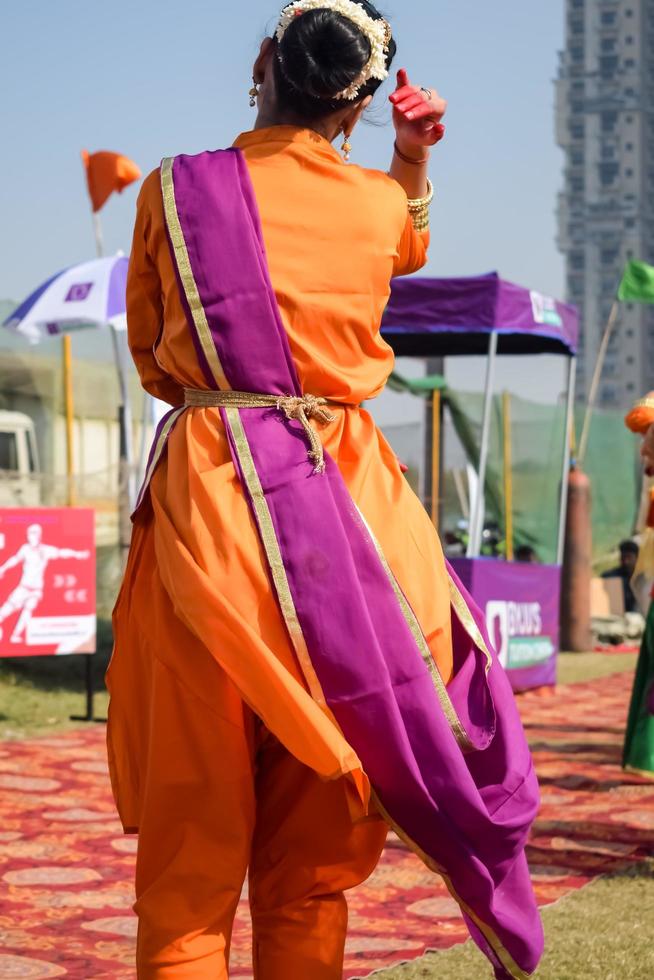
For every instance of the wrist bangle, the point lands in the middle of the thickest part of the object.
(403, 156)
(420, 220)
(419, 208)
(419, 203)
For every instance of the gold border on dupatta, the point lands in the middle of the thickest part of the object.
(158, 452)
(467, 620)
(411, 620)
(186, 274)
(273, 552)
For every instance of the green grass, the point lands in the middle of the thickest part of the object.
(603, 932)
(575, 668)
(39, 694)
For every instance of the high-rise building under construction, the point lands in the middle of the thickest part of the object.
(605, 125)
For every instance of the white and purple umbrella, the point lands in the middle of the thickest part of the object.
(90, 295)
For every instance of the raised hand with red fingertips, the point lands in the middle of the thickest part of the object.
(417, 114)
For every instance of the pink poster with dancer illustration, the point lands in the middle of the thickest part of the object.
(47, 581)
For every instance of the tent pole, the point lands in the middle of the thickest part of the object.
(432, 366)
(70, 430)
(146, 420)
(477, 528)
(508, 475)
(568, 439)
(435, 456)
(125, 418)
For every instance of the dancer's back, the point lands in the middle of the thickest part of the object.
(334, 236)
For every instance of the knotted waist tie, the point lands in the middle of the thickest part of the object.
(302, 408)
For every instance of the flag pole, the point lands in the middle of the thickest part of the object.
(569, 454)
(127, 491)
(597, 376)
(97, 231)
(114, 173)
(69, 402)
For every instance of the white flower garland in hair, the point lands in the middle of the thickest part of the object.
(378, 33)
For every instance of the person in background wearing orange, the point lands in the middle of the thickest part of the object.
(287, 627)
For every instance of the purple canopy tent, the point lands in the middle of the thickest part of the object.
(484, 315)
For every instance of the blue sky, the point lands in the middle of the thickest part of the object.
(154, 77)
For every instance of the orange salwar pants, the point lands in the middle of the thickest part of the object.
(223, 795)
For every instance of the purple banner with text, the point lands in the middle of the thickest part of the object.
(521, 605)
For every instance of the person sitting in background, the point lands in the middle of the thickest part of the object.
(625, 570)
(526, 554)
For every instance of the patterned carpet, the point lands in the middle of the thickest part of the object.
(66, 870)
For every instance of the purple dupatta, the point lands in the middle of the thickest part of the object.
(450, 768)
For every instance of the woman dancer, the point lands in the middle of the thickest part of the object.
(294, 667)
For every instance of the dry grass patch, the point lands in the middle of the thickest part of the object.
(602, 932)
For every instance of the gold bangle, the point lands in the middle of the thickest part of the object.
(419, 208)
(418, 203)
(420, 220)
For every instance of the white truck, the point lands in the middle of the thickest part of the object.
(20, 485)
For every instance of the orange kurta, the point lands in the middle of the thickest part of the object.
(335, 235)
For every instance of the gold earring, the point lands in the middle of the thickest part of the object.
(346, 147)
(254, 93)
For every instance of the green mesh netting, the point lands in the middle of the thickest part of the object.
(536, 450)
(537, 459)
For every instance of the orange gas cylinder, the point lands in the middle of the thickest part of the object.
(577, 566)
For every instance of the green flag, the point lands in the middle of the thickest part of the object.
(637, 283)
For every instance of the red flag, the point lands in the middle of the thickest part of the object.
(108, 172)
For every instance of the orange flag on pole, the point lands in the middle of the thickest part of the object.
(107, 172)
